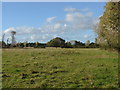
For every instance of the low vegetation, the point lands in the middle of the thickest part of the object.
(59, 68)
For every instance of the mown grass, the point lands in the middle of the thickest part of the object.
(59, 68)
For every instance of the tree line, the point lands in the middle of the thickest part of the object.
(56, 42)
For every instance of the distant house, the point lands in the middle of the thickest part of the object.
(73, 42)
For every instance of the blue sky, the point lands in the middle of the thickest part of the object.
(41, 21)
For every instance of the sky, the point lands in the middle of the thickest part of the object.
(43, 21)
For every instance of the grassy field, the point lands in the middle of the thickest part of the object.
(59, 68)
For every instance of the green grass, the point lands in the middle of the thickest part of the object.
(59, 68)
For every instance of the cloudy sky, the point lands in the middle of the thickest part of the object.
(44, 21)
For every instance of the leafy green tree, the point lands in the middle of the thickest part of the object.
(37, 44)
(2, 44)
(108, 29)
(56, 42)
(68, 45)
(93, 45)
(25, 44)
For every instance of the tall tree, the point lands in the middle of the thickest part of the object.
(109, 25)
(87, 43)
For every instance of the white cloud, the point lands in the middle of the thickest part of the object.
(8, 31)
(79, 21)
(65, 25)
(90, 36)
(22, 30)
(38, 37)
(72, 22)
(50, 19)
(32, 34)
(86, 36)
(22, 33)
(71, 10)
(57, 26)
(72, 17)
(89, 14)
(69, 18)
(85, 9)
